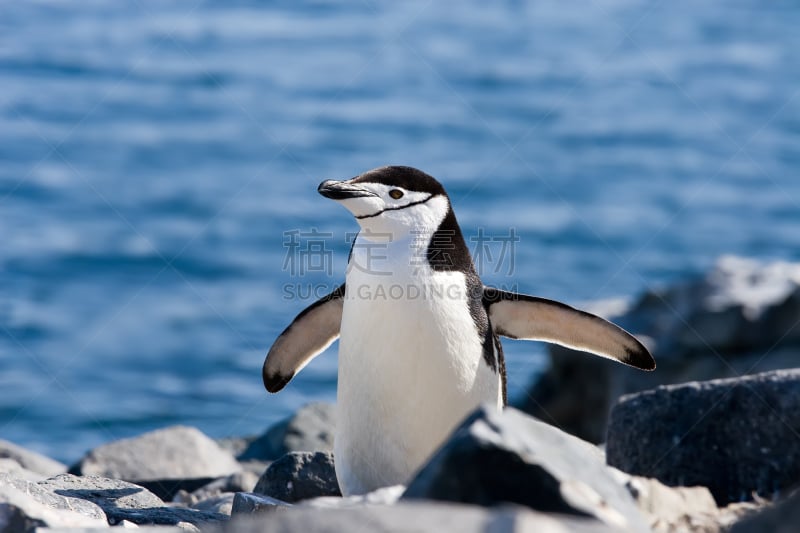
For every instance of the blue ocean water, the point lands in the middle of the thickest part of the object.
(159, 223)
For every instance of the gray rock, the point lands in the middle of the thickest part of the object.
(21, 513)
(783, 517)
(168, 489)
(238, 482)
(255, 466)
(15, 470)
(738, 437)
(236, 445)
(245, 503)
(176, 452)
(740, 305)
(222, 504)
(35, 462)
(310, 429)
(102, 491)
(300, 475)
(499, 457)
(740, 318)
(121, 500)
(25, 505)
(416, 517)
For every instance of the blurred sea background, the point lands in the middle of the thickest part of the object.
(159, 158)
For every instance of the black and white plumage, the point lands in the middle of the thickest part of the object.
(419, 346)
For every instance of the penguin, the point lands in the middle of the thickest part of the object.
(418, 332)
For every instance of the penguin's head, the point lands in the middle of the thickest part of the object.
(391, 201)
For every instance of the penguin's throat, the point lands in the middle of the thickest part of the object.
(395, 256)
(397, 240)
(415, 224)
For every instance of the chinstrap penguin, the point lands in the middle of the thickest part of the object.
(418, 331)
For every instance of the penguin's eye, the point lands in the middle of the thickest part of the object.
(396, 194)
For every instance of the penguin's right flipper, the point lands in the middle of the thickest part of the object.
(519, 316)
(313, 330)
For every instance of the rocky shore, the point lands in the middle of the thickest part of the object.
(708, 443)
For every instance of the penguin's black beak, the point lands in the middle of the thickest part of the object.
(341, 190)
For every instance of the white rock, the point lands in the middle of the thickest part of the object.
(15, 470)
(22, 511)
(35, 462)
(222, 504)
(382, 496)
(177, 452)
(670, 508)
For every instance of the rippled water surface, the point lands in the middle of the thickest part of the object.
(156, 157)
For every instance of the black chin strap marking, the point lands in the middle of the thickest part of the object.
(396, 208)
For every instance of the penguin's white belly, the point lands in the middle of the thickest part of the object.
(411, 369)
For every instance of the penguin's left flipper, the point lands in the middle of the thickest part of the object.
(519, 316)
(313, 330)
